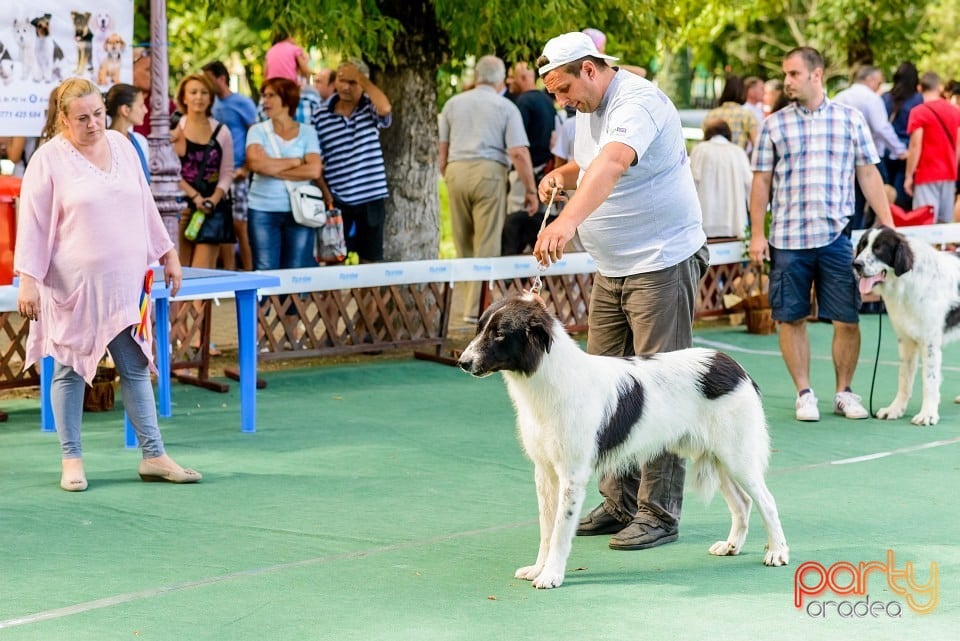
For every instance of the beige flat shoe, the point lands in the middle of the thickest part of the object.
(153, 473)
(73, 484)
(72, 477)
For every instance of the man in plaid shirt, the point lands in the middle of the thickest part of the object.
(810, 152)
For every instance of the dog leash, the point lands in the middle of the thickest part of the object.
(876, 360)
(537, 281)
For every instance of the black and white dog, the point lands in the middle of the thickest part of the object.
(920, 287)
(6, 65)
(577, 413)
(49, 55)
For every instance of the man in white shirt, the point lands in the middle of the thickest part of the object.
(863, 96)
(638, 216)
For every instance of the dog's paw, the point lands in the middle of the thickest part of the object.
(926, 417)
(528, 572)
(548, 579)
(776, 557)
(724, 548)
(891, 412)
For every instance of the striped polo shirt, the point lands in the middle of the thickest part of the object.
(350, 146)
(813, 156)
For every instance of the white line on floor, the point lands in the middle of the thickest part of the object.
(106, 602)
(730, 348)
(867, 457)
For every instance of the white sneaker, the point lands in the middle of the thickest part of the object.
(848, 404)
(807, 407)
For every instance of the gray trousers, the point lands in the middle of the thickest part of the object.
(66, 397)
(644, 314)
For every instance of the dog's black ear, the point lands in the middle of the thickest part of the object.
(539, 334)
(902, 258)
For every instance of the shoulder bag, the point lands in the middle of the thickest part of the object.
(306, 201)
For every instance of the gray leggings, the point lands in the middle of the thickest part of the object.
(66, 395)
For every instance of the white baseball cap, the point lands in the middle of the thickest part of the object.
(568, 47)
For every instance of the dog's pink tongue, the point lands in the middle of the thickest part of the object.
(867, 282)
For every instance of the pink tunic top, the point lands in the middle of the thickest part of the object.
(88, 238)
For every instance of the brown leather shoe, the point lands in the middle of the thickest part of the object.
(151, 472)
(599, 521)
(640, 535)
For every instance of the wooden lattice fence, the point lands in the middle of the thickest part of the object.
(345, 321)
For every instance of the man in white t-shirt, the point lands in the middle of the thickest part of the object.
(638, 216)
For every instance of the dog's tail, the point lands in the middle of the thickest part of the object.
(706, 477)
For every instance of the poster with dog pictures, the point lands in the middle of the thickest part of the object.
(43, 42)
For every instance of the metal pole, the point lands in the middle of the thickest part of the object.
(164, 164)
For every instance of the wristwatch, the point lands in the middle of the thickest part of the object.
(208, 204)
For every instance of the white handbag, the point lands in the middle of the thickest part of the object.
(307, 205)
(306, 201)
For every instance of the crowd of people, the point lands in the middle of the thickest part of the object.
(599, 141)
(794, 172)
(85, 269)
(237, 182)
(913, 123)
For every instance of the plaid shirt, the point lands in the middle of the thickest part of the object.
(743, 124)
(813, 156)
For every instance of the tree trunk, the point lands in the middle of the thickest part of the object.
(410, 151)
(410, 144)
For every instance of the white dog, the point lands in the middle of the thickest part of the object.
(102, 25)
(577, 413)
(25, 36)
(920, 287)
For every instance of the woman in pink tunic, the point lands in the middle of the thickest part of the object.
(88, 230)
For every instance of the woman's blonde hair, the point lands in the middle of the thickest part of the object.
(60, 99)
(71, 89)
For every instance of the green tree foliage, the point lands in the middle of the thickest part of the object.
(198, 36)
(416, 47)
(409, 43)
(937, 45)
(751, 36)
